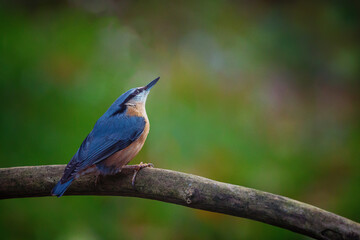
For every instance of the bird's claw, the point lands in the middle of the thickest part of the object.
(97, 179)
(137, 169)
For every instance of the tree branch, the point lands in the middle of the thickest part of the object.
(187, 190)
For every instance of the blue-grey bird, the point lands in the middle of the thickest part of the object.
(115, 140)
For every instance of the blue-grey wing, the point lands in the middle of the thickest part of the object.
(108, 137)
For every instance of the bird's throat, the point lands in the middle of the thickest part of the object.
(136, 110)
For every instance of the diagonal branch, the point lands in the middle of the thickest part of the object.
(187, 190)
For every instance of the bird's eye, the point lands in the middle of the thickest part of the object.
(137, 91)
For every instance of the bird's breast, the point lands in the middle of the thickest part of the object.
(138, 110)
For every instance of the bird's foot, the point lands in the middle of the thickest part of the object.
(136, 169)
(98, 179)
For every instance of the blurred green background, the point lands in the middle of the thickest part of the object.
(264, 95)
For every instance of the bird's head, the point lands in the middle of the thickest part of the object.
(135, 97)
(139, 95)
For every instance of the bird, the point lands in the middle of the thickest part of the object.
(116, 138)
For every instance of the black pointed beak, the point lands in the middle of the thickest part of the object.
(151, 84)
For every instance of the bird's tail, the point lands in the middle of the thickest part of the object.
(60, 188)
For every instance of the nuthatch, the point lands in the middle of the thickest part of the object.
(115, 140)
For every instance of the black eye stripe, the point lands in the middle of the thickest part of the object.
(122, 106)
(136, 92)
(139, 90)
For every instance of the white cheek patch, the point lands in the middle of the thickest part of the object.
(140, 98)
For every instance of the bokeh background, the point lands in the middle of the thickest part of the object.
(264, 95)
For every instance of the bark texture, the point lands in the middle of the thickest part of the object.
(187, 190)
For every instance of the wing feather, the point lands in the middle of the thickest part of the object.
(107, 137)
